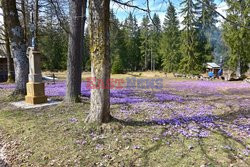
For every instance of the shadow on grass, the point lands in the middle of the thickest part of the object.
(219, 121)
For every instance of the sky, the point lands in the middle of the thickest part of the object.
(156, 6)
(159, 7)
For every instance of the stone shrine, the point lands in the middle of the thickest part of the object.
(35, 86)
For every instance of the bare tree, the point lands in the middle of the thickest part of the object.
(17, 45)
(99, 11)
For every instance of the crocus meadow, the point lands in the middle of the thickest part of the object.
(193, 109)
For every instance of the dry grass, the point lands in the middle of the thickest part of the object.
(149, 74)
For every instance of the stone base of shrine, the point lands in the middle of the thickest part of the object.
(36, 100)
(35, 93)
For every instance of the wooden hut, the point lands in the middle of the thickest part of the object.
(213, 67)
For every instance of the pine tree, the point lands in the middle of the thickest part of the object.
(170, 42)
(145, 42)
(118, 50)
(132, 43)
(208, 15)
(155, 42)
(206, 24)
(114, 30)
(117, 66)
(190, 62)
(53, 46)
(237, 35)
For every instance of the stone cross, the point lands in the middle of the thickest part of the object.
(35, 86)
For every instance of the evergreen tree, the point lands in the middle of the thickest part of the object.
(53, 46)
(117, 66)
(206, 24)
(170, 42)
(220, 50)
(145, 42)
(114, 29)
(132, 35)
(208, 15)
(237, 34)
(155, 42)
(190, 62)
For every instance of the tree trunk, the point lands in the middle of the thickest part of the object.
(83, 19)
(23, 9)
(10, 66)
(17, 45)
(74, 51)
(36, 23)
(100, 60)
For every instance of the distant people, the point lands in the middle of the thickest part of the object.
(220, 73)
(211, 74)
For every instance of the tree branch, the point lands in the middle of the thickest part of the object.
(223, 17)
(58, 13)
(128, 4)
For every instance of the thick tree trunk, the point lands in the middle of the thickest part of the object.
(74, 51)
(17, 45)
(100, 60)
(10, 66)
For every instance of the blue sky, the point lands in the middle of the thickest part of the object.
(156, 6)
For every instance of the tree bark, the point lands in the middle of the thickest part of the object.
(100, 60)
(83, 19)
(25, 29)
(74, 52)
(18, 46)
(36, 23)
(10, 66)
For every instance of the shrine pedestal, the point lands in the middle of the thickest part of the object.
(35, 93)
(35, 87)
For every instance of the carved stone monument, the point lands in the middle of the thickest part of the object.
(35, 86)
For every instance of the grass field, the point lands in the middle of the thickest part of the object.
(187, 123)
